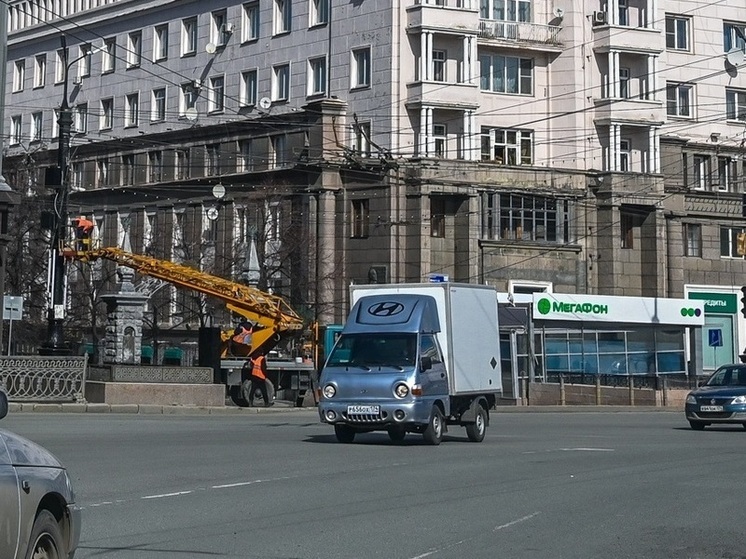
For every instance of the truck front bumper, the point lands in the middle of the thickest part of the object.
(372, 415)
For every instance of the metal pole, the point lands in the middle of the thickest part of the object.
(55, 344)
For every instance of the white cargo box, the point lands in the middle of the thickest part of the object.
(469, 333)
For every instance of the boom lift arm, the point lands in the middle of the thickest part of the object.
(270, 313)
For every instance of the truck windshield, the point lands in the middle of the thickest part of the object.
(374, 350)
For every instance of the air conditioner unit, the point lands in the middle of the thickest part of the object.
(599, 18)
(229, 27)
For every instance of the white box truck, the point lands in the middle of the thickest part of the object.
(414, 358)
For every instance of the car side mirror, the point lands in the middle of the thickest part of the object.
(3, 404)
(426, 363)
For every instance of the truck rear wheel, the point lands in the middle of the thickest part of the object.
(433, 434)
(344, 433)
(475, 431)
(237, 398)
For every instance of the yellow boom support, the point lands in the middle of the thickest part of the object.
(271, 313)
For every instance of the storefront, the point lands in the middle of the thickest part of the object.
(719, 336)
(604, 335)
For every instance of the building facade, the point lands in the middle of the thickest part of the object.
(592, 147)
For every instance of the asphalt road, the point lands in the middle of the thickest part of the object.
(279, 486)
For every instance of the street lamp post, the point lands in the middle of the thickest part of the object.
(8, 198)
(55, 343)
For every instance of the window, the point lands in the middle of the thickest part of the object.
(182, 164)
(187, 98)
(80, 118)
(514, 217)
(281, 82)
(128, 170)
(734, 36)
(319, 12)
(109, 56)
(160, 42)
(217, 94)
(282, 16)
(439, 65)
(438, 216)
(679, 99)
(735, 104)
(155, 166)
(507, 147)
(361, 138)
(440, 136)
(248, 91)
(134, 49)
(102, 172)
(624, 83)
(132, 109)
(40, 70)
(219, 30)
(279, 150)
(59, 66)
(627, 223)
(316, 76)
(729, 242)
(19, 75)
(150, 226)
(623, 13)
(677, 32)
(625, 155)
(76, 176)
(106, 118)
(727, 174)
(37, 129)
(505, 11)
(84, 64)
(212, 160)
(360, 219)
(273, 221)
(250, 27)
(701, 172)
(158, 110)
(361, 68)
(692, 239)
(56, 124)
(246, 156)
(506, 74)
(189, 36)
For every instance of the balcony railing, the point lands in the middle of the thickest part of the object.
(519, 31)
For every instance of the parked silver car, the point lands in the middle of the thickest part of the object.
(38, 515)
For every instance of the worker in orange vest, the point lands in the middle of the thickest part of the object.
(83, 229)
(259, 379)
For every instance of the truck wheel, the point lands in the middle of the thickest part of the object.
(433, 434)
(253, 394)
(237, 398)
(344, 433)
(475, 431)
(397, 434)
(46, 541)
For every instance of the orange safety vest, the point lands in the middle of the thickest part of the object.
(256, 368)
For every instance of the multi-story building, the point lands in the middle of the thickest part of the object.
(592, 147)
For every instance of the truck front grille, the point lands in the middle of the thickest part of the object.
(365, 417)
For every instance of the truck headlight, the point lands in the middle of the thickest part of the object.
(401, 390)
(690, 399)
(329, 391)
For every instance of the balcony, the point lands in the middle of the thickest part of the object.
(534, 36)
(442, 94)
(635, 39)
(631, 111)
(446, 14)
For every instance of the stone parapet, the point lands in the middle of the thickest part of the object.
(158, 394)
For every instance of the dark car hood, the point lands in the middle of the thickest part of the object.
(719, 391)
(20, 451)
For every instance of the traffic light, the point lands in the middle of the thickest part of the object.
(743, 301)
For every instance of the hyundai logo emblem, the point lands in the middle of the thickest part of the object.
(386, 308)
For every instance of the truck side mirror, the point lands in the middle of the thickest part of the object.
(426, 363)
(3, 404)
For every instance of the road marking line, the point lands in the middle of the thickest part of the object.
(166, 495)
(239, 484)
(588, 449)
(514, 522)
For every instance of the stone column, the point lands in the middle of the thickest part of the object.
(124, 311)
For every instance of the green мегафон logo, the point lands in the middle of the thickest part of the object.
(544, 306)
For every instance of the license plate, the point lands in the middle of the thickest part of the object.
(368, 410)
(710, 408)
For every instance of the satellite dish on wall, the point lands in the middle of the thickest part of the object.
(559, 12)
(734, 57)
(265, 103)
(210, 48)
(191, 114)
(218, 191)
